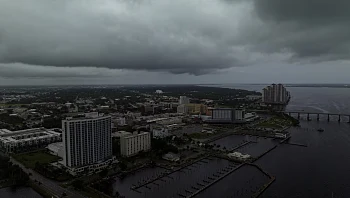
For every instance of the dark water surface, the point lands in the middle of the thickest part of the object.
(322, 168)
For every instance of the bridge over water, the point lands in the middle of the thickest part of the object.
(329, 115)
(309, 114)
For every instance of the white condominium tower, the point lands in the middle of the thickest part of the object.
(275, 94)
(86, 140)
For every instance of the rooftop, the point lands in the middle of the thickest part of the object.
(27, 135)
(85, 116)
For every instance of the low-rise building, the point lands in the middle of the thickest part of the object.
(184, 100)
(227, 115)
(121, 121)
(13, 141)
(133, 144)
(160, 132)
(56, 149)
(192, 108)
(239, 156)
(253, 97)
(171, 157)
(249, 117)
(91, 167)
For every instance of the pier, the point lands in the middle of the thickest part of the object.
(215, 181)
(263, 188)
(296, 144)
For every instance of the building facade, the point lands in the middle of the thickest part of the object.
(131, 145)
(275, 94)
(192, 109)
(184, 100)
(227, 115)
(25, 140)
(182, 108)
(86, 140)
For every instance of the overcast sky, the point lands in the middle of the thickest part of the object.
(174, 41)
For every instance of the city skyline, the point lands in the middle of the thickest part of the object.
(132, 42)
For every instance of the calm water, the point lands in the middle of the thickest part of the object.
(19, 193)
(323, 167)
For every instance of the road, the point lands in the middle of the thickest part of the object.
(50, 186)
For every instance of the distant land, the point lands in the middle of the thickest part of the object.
(172, 85)
(320, 85)
(286, 84)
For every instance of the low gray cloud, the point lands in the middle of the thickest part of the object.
(312, 30)
(19, 70)
(195, 37)
(158, 35)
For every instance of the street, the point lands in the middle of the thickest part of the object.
(50, 186)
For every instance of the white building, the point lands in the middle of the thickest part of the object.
(121, 121)
(238, 156)
(184, 100)
(120, 134)
(253, 97)
(160, 132)
(182, 108)
(275, 94)
(171, 157)
(133, 144)
(239, 114)
(56, 149)
(87, 141)
(13, 141)
(227, 115)
(249, 117)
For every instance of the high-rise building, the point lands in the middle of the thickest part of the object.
(86, 140)
(275, 94)
(132, 144)
(184, 100)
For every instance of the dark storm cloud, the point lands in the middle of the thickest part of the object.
(18, 70)
(183, 36)
(155, 35)
(310, 29)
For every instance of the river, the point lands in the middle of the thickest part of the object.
(322, 169)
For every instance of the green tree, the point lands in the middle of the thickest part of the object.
(78, 184)
(103, 173)
(123, 166)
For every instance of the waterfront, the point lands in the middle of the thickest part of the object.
(317, 170)
(206, 177)
(321, 168)
(313, 171)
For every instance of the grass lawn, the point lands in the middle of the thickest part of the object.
(29, 159)
(200, 135)
(275, 123)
